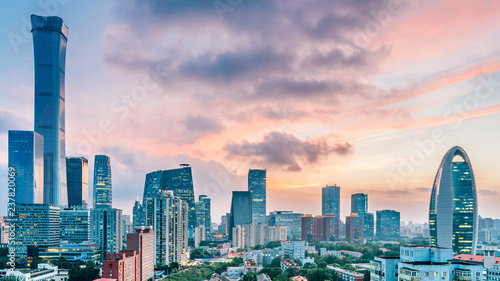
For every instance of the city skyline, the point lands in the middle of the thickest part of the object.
(339, 142)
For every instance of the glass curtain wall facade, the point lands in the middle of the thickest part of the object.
(102, 182)
(50, 36)
(331, 201)
(77, 175)
(257, 185)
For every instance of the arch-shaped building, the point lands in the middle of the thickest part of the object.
(453, 217)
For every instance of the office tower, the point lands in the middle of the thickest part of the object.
(223, 225)
(168, 215)
(199, 235)
(241, 210)
(292, 221)
(50, 36)
(388, 223)
(4, 230)
(26, 167)
(121, 267)
(238, 237)
(36, 224)
(77, 176)
(257, 185)
(368, 225)
(318, 228)
(453, 220)
(354, 229)
(180, 181)
(250, 235)
(310, 228)
(143, 243)
(331, 200)
(138, 216)
(127, 226)
(102, 183)
(75, 225)
(106, 230)
(359, 205)
(330, 228)
(203, 213)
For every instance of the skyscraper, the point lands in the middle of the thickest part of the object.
(257, 185)
(143, 243)
(102, 182)
(203, 213)
(354, 229)
(388, 224)
(292, 221)
(331, 200)
(241, 210)
(106, 230)
(50, 36)
(359, 205)
(77, 175)
(26, 160)
(453, 219)
(168, 214)
(180, 181)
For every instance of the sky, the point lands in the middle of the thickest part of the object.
(367, 95)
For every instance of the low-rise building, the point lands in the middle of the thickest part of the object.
(286, 264)
(324, 252)
(123, 266)
(85, 252)
(347, 275)
(251, 266)
(45, 271)
(235, 272)
(384, 269)
(263, 277)
(493, 273)
(294, 249)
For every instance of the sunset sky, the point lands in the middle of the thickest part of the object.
(368, 95)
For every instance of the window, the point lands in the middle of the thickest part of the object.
(436, 274)
(444, 274)
(426, 274)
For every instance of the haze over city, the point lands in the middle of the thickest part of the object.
(365, 95)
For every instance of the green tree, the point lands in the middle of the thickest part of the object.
(250, 276)
(34, 263)
(366, 276)
(62, 262)
(236, 262)
(282, 277)
(88, 273)
(272, 272)
(276, 262)
(321, 274)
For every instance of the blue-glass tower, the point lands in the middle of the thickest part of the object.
(26, 160)
(388, 224)
(257, 185)
(77, 175)
(331, 201)
(180, 181)
(241, 210)
(50, 36)
(453, 217)
(102, 182)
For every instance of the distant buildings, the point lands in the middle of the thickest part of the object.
(388, 223)
(453, 219)
(26, 166)
(4, 230)
(81, 252)
(354, 229)
(331, 200)
(77, 175)
(292, 221)
(294, 249)
(75, 225)
(50, 36)
(318, 228)
(103, 192)
(241, 210)
(257, 185)
(199, 235)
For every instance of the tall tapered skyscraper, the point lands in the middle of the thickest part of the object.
(50, 36)
(102, 182)
(453, 217)
(257, 185)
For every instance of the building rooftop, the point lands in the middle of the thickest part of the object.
(289, 263)
(351, 252)
(472, 258)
